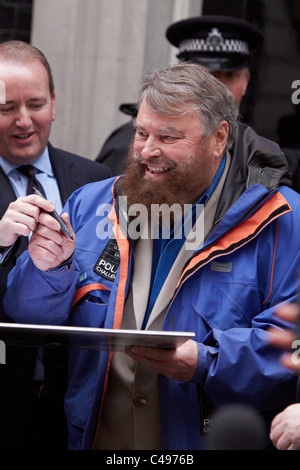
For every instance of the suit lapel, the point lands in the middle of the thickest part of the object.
(64, 172)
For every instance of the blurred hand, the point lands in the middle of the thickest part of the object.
(286, 339)
(285, 429)
(177, 364)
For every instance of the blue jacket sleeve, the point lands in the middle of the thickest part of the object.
(240, 362)
(245, 366)
(47, 299)
(237, 360)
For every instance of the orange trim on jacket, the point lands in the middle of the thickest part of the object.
(123, 245)
(238, 235)
(85, 290)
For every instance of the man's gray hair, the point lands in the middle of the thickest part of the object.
(176, 90)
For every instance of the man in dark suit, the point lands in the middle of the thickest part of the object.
(31, 390)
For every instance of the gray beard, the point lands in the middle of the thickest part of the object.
(183, 184)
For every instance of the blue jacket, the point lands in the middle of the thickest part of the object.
(226, 295)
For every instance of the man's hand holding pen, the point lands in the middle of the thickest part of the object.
(21, 218)
(49, 246)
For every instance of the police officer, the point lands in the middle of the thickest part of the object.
(222, 44)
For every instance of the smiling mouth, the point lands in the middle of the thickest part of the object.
(156, 170)
(23, 136)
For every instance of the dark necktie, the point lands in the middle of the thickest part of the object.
(46, 354)
(28, 170)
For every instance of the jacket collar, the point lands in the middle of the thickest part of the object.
(255, 160)
(236, 236)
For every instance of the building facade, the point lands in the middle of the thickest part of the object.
(99, 49)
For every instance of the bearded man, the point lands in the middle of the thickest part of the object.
(224, 290)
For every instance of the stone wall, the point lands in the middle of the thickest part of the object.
(98, 50)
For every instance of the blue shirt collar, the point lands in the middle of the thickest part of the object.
(43, 164)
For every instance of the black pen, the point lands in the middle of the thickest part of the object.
(54, 214)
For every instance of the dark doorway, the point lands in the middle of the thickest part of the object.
(268, 104)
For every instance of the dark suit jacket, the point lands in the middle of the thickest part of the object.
(71, 172)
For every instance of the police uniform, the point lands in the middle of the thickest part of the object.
(220, 43)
